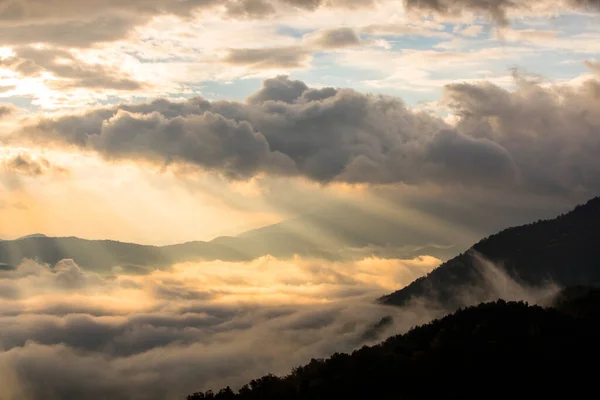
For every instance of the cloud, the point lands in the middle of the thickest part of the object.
(73, 33)
(16, 169)
(23, 164)
(498, 10)
(208, 140)
(6, 110)
(250, 8)
(318, 134)
(549, 132)
(69, 23)
(69, 70)
(278, 89)
(462, 152)
(503, 139)
(403, 29)
(594, 66)
(334, 38)
(292, 57)
(120, 338)
(269, 58)
(126, 334)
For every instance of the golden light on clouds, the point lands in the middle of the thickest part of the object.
(297, 280)
(266, 281)
(199, 313)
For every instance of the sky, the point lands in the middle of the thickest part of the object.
(165, 121)
(394, 134)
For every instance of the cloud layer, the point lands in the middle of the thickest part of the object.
(535, 138)
(68, 333)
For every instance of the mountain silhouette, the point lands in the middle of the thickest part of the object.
(332, 233)
(564, 250)
(103, 255)
(495, 350)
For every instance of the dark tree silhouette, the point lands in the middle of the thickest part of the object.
(494, 350)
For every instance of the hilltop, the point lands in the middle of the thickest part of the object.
(564, 250)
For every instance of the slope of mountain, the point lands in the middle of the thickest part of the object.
(564, 250)
(496, 350)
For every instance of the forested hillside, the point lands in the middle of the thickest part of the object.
(494, 350)
(564, 250)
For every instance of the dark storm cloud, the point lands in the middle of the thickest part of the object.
(461, 152)
(538, 138)
(278, 131)
(72, 72)
(551, 134)
(208, 140)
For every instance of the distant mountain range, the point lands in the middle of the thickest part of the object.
(564, 250)
(335, 233)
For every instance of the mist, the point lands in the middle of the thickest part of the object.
(70, 333)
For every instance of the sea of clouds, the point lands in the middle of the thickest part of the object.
(69, 333)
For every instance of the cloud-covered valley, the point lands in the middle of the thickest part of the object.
(68, 333)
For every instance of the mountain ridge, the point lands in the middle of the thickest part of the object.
(563, 250)
(338, 233)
